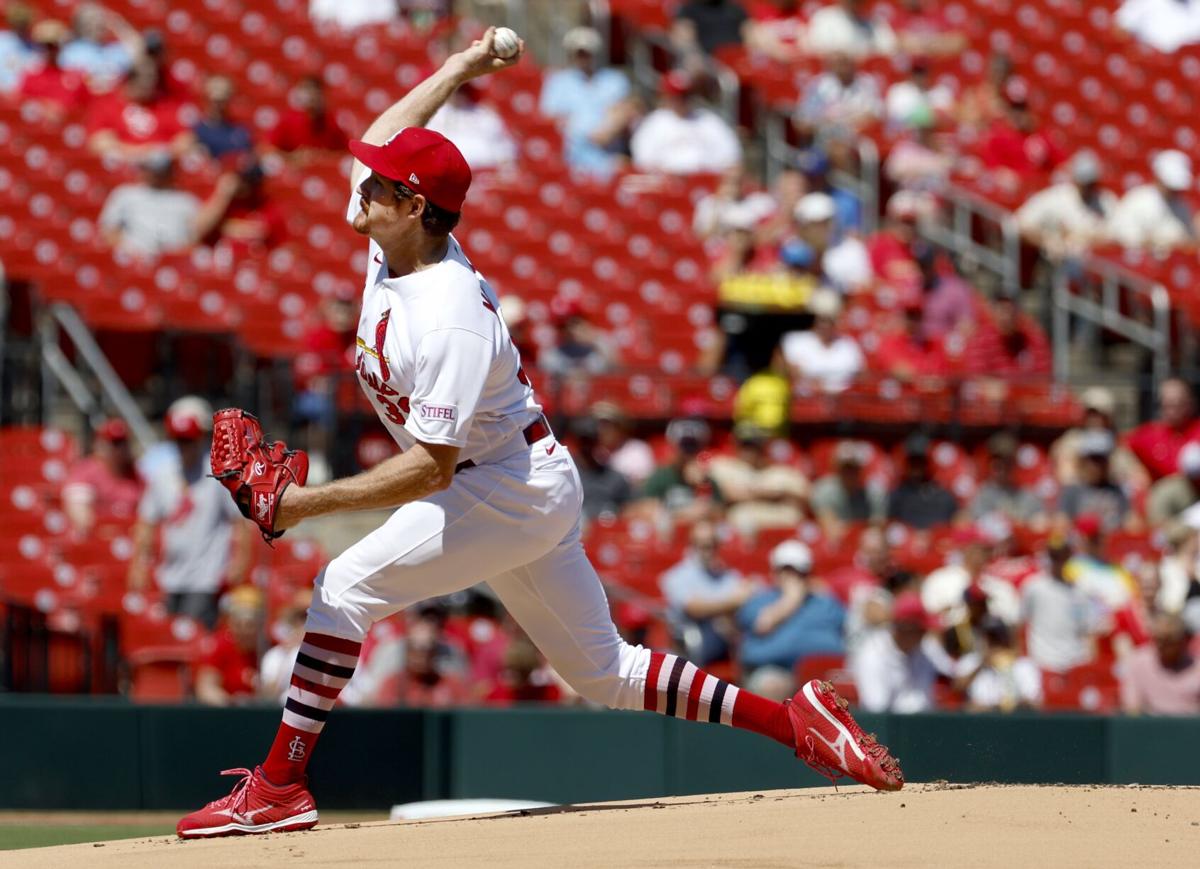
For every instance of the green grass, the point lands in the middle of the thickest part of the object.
(40, 835)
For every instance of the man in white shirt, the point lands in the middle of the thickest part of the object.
(1067, 218)
(151, 217)
(1156, 215)
(1166, 25)
(843, 27)
(682, 138)
(480, 489)
(846, 263)
(891, 668)
(918, 92)
(1057, 615)
(821, 355)
(478, 131)
(942, 591)
(842, 99)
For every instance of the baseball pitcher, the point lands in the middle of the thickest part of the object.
(481, 490)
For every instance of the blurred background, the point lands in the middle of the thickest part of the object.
(871, 326)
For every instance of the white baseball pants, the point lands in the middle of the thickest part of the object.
(516, 524)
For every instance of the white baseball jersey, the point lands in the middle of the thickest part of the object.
(435, 358)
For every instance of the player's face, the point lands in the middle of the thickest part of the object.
(383, 209)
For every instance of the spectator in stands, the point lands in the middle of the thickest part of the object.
(104, 486)
(1099, 406)
(217, 134)
(592, 105)
(1058, 616)
(758, 491)
(1109, 587)
(1162, 678)
(228, 673)
(1173, 494)
(916, 97)
(526, 678)
(151, 217)
(984, 103)
(1009, 346)
(735, 197)
(476, 128)
(275, 671)
(605, 490)
(1157, 443)
(520, 328)
(139, 119)
(943, 590)
(682, 487)
(837, 153)
(842, 100)
(822, 356)
(892, 670)
(1067, 218)
(918, 500)
(18, 51)
(428, 679)
(893, 248)
(1164, 25)
(783, 625)
(104, 47)
(703, 26)
(682, 138)
(999, 493)
(907, 353)
(307, 125)
(702, 595)
(203, 541)
(918, 162)
(350, 15)
(239, 216)
(948, 303)
(764, 400)
(776, 30)
(1095, 495)
(845, 263)
(328, 345)
(1157, 216)
(1015, 147)
(581, 347)
(60, 91)
(844, 496)
(1005, 679)
(1179, 568)
(844, 27)
(629, 456)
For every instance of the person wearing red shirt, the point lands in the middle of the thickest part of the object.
(228, 673)
(308, 124)
(908, 354)
(891, 249)
(524, 679)
(1156, 444)
(1014, 142)
(104, 485)
(239, 217)
(425, 681)
(140, 118)
(60, 90)
(1010, 346)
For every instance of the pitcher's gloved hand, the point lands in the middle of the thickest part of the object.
(255, 471)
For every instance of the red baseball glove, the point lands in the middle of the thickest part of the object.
(255, 472)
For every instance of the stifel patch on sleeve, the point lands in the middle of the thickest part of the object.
(439, 412)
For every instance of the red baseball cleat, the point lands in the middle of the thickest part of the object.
(255, 806)
(830, 741)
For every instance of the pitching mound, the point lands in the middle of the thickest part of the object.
(936, 824)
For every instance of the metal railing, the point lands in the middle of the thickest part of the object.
(967, 210)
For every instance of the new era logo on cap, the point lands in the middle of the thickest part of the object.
(434, 167)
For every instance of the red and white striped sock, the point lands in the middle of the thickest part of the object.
(323, 667)
(680, 689)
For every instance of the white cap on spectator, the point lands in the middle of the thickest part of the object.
(814, 208)
(582, 39)
(1173, 169)
(188, 417)
(739, 215)
(1191, 517)
(1095, 442)
(1085, 167)
(1189, 459)
(825, 303)
(905, 204)
(1100, 399)
(793, 554)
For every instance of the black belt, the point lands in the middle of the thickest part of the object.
(537, 430)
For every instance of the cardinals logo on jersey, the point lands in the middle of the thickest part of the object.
(380, 340)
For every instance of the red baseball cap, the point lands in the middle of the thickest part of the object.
(113, 430)
(425, 161)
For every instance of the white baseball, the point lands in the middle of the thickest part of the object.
(505, 43)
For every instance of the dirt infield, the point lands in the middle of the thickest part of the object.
(925, 825)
